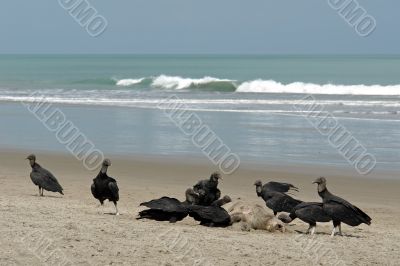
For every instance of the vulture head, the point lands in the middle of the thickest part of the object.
(31, 158)
(105, 165)
(258, 185)
(191, 196)
(321, 181)
(106, 162)
(215, 177)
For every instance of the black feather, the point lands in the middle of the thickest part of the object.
(341, 210)
(45, 179)
(212, 216)
(164, 209)
(105, 188)
(273, 193)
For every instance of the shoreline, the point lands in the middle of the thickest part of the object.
(291, 168)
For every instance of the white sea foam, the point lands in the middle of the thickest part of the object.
(122, 96)
(261, 86)
(176, 82)
(129, 82)
(271, 86)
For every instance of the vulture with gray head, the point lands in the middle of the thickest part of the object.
(43, 178)
(211, 216)
(275, 197)
(340, 210)
(105, 187)
(309, 212)
(168, 209)
(208, 189)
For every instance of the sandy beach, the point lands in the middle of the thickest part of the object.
(187, 99)
(74, 230)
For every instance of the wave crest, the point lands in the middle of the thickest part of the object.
(128, 82)
(255, 86)
(271, 86)
(179, 83)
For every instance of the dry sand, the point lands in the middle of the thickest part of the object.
(74, 230)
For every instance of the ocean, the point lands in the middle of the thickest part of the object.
(249, 102)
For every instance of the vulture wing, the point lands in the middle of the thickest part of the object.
(279, 187)
(209, 214)
(36, 178)
(311, 212)
(281, 202)
(165, 204)
(362, 215)
(49, 181)
(114, 190)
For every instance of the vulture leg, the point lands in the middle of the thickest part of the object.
(116, 209)
(39, 191)
(333, 231)
(340, 229)
(336, 226)
(309, 229)
(312, 230)
(275, 213)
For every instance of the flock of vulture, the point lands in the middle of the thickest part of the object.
(204, 203)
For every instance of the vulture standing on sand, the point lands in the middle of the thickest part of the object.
(274, 195)
(168, 209)
(208, 189)
(105, 187)
(212, 216)
(43, 178)
(339, 210)
(309, 212)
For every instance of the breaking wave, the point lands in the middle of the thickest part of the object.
(129, 82)
(255, 86)
(271, 86)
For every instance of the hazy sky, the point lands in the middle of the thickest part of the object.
(206, 26)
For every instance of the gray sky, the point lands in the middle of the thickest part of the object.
(206, 26)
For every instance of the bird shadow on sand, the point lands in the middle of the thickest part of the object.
(328, 234)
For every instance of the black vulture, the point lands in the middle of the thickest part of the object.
(105, 187)
(274, 195)
(211, 216)
(309, 212)
(208, 189)
(168, 209)
(340, 210)
(43, 178)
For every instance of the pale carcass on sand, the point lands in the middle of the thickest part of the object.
(254, 216)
